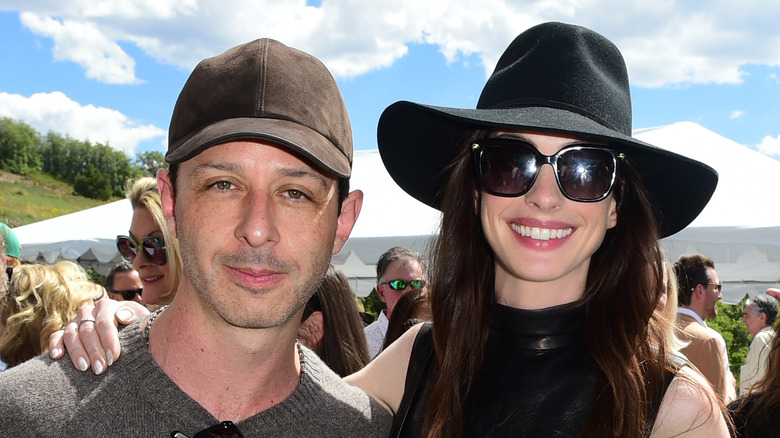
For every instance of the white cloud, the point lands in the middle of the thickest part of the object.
(737, 114)
(664, 42)
(57, 113)
(770, 146)
(85, 44)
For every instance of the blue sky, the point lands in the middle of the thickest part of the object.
(110, 71)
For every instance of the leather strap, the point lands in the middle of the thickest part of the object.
(420, 359)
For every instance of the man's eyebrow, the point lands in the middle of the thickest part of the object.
(303, 173)
(219, 165)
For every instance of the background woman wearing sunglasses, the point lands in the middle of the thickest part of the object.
(159, 263)
(544, 277)
(547, 269)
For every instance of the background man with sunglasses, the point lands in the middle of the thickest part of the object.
(123, 283)
(699, 291)
(398, 271)
(257, 193)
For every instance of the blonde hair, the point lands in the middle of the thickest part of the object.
(673, 337)
(40, 301)
(143, 193)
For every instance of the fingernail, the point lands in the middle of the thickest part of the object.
(109, 357)
(124, 314)
(97, 367)
(83, 365)
(56, 353)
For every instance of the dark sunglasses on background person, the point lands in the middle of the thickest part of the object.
(509, 167)
(225, 429)
(401, 284)
(129, 294)
(153, 249)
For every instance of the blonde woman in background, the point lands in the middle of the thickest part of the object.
(160, 261)
(41, 299)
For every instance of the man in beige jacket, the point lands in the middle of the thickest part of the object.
(698, 295)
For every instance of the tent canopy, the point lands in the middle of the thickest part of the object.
(739, 229)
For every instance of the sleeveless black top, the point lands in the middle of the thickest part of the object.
(537, 379)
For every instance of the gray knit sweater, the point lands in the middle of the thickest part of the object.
(135, 398)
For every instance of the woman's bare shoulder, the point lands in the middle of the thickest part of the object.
(384, 377)
(690, 408)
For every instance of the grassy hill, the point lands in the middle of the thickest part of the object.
(28, 199)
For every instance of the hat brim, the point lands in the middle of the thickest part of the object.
(300, 139)
(417, 143)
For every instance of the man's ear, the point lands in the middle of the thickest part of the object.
(165, 187)
(350, 210)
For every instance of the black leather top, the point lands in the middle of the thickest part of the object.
(537, 379)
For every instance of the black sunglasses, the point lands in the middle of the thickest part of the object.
(153, 249)
(509, 167)
(401, 284)
(225, 429)
(129, 294)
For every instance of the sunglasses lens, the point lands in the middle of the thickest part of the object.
(416, 284)
(126, 248)
(130, 294)
(507, 169)
(586, 174)
(154, 250)
(397, 284)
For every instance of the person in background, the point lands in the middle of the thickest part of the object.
(13, 250)
(159, 265)
(124, 284)
(331, 325)
(398, 270)
(699, 291)
(40, 301)
(759, 316)
(755, 412)
(667, 307)
(411, 309)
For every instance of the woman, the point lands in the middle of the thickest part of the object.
(545, 278)
(755, 413)
(331, 325)
(160, 264)
(41, 299)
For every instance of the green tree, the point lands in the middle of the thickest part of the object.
(729, 324)
(372, 303)
(93, 184)
(150, 162)
(19, 147)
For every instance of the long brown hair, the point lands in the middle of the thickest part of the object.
(623, 287)
(343, 347)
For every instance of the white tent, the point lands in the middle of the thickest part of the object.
(739, 228)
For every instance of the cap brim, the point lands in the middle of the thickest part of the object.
(300, 139)
(418, 142)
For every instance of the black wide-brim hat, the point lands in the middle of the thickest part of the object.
(556, 78)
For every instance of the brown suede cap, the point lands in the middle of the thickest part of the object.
(263, 90)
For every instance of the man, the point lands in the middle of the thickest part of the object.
(260, 152)
(123, 283)
(759, 316)
(699, 291)
(398, 270)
